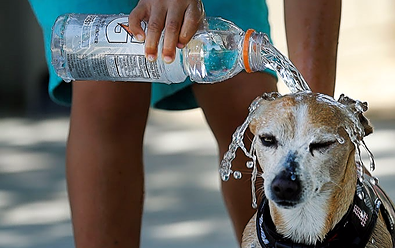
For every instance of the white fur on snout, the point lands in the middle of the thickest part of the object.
(311, 215)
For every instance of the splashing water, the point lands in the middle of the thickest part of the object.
(352, 126)
(370, 155)
(355, 131)
(276, 61)
(264, 55)
(268, 56)
(237, 142)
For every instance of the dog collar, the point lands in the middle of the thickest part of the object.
(354, 230)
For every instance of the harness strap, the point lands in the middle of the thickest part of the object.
(353, 231)
(387, 210)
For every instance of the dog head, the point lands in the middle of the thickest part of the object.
(305, 143)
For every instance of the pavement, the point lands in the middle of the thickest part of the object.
(183, 206)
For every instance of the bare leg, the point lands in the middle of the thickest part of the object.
(312, 29)
(104, 163)
(225, 106)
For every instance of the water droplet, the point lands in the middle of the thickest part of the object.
(361, 106)
(370, 154)
(374, 180)
(225, 178)
(340, 139)
(293, 177)
(250, 164)
(237, 175)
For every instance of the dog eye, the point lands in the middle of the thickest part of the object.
(320, 146)
(268, 140)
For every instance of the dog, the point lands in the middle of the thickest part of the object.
(316, 193)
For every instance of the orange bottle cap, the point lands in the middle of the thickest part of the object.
(246, 44)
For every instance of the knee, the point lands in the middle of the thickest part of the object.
(108, 109)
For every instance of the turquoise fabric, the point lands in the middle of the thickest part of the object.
(245, 14)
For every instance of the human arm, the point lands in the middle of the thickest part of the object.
(180, 18)
(312, 28)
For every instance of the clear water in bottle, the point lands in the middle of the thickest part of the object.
(214, 53)
(100, 47)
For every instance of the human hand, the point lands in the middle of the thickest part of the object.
(179, 18)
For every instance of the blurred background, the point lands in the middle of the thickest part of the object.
(183, 205)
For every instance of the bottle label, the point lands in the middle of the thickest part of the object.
(104, 49)
(112, 65)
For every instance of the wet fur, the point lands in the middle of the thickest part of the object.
(328, 176)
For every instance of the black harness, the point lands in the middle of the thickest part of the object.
(355, 228)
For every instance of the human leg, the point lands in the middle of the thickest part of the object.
(104, 162)
(225, 106)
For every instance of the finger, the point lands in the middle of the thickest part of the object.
(194, 16)
(154, 32)
(172, 29)
(136, 16)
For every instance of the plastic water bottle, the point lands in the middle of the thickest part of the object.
(100, 47)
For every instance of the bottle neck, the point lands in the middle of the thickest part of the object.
(259, 54)
(255, 46)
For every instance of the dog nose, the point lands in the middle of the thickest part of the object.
(286, 186)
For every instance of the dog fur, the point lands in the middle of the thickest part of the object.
(308, 128)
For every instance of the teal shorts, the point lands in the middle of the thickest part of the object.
(245, 14)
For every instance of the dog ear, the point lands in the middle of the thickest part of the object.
(358, 108)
